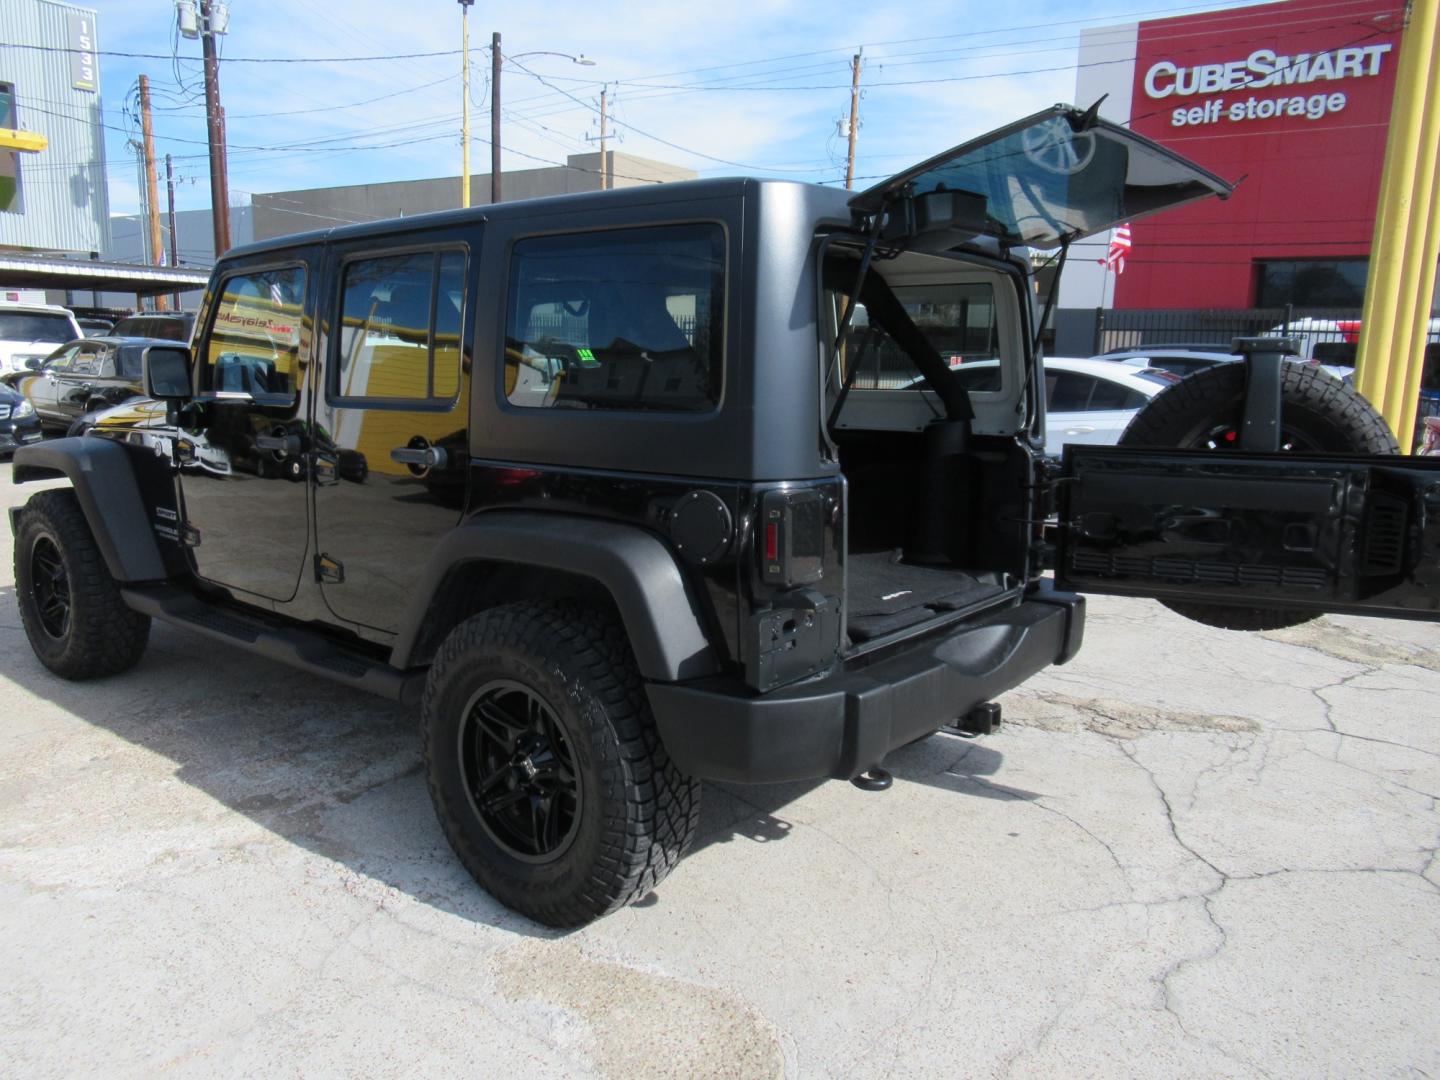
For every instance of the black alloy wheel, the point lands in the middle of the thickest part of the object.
(50, 587)
(543, 760)
(73, 613)
(519, 771)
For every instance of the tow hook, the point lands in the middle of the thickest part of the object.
(873, 779)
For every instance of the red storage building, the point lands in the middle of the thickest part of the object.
(1292, 99)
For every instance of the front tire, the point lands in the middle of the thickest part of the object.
(1318, 414)
(545, 766)
(70, 606)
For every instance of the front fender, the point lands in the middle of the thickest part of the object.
(661, 617)
(104, 480)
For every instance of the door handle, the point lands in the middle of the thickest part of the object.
(1079, 430)
(424, 457)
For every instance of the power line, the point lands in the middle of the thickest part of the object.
(236, 59)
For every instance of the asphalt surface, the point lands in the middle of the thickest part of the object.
(1188, 853)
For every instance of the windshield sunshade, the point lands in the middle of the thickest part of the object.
(1052, 177)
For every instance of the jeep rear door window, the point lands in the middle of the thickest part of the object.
(254, 346)
(400, 328)
(622, 319)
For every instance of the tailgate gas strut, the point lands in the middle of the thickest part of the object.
(854, 294)
(891, 314)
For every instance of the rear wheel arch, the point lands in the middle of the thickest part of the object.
(502, 557)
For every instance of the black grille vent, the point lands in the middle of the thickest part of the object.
(1385, 527)
(1193, 572)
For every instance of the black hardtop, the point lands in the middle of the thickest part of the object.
(832, 204)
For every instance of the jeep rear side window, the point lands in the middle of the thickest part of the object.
(400, 328)
(623, 319)
(255, 342)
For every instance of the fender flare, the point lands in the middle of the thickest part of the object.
(104, 481)
(664, 624)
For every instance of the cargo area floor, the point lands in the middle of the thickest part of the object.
(884, 594)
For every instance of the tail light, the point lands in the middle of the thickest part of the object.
(792, 537)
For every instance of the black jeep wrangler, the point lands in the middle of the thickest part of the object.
(679, 483)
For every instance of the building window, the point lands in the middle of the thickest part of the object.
(9, 159)
(1311, 282)
(622, 319)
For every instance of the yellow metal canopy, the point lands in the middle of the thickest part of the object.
(26, 141)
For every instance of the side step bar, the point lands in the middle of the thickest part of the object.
(292, 645)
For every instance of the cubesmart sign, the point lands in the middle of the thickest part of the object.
(1295, 99)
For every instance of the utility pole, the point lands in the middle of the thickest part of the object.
(465, 102)
(170, 215)
(152, 199)
(495, 60)
(854, 118)
(604, 163)
(1401, 282)
(215, 118)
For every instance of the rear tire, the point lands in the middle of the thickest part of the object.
(70, 606)
(545, 766)
(1318, 414)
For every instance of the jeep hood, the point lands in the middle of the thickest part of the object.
(1049, 179)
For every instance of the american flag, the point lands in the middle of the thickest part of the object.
(1119, 248)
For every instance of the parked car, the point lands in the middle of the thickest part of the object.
(30, 332)
(1333, 343)
(1168, 346)
(95, 327)
(80, 378)
(682, 549)
(1180, 362)
(1087, 402)
(18, 423)
(168, 325)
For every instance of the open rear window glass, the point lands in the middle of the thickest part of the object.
(621, 319)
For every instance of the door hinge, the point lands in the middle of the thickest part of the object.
(329, 570)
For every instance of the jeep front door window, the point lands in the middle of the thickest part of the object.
(255, 341)
(243, 475)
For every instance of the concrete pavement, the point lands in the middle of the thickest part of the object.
(1189, 852)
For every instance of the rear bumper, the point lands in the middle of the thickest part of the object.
(843, 724)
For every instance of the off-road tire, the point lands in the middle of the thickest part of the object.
(637, 811)
(100, 635)
(1318, 414)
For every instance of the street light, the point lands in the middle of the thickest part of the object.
(496, 59)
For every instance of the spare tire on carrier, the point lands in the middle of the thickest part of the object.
(1319, 414)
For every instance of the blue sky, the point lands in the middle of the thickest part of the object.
(745, 86)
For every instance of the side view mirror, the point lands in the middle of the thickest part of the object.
(35, 363)
(166, 372)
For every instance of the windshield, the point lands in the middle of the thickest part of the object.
(35, 326)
